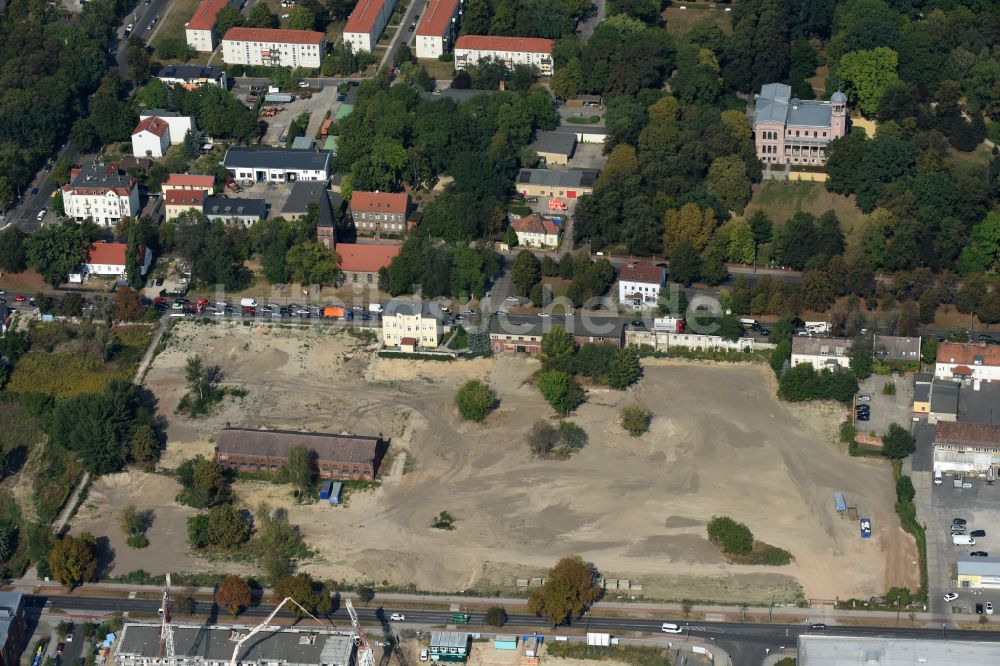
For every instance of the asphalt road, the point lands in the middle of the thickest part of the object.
(745, 642)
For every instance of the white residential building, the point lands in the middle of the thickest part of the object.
(821, 353)
(273, 47)
(534, 51)
(411, 324)
(101, 192)
(200, 30)
(151, 137)
(192, 76)
(639, 284)
(365, 24)
(277, 165)
(967, 448)
(109, 259)
(535, 231)
(179, 125)
(437, 29)
(968, 361)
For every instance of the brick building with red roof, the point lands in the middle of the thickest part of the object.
(273, 47)
(380, 212)
(360, 263)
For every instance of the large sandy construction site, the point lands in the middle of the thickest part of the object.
(720, 444)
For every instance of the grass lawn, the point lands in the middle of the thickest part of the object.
(173, 23)
(681, 21)
(559, 286)
(589, 120)
(439, 70)
(780, 200)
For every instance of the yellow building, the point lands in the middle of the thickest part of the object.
(411, 324)
(178, 201)
(979, 572)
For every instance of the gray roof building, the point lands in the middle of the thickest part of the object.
(897, 348)
(11, 607)
(979, 566)
(556, 143)
(190, 73)
(101, 175)
(244, 209)
(302, 143)
(160, 113)
(305, 192)
(554, 178)
(921, 392)
(833, 347)
(277, 444)
(944, 397)
(398, 306)
(598, 328)
(841, 650)
(776, 104)
(204, 645)
(243, 157)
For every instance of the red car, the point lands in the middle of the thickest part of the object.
(20, 299)
(159, 299)
(247, 310)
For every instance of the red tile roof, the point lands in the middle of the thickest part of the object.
(492, 43)
(365, 258)
(535, 224)
(107, 253)
(204, 17)
(961, 370)
(966, 353)
(184, 197)
(176, 180)
(152, 124)
(380, 202)
(362, 19)
(437, 18)
(641, 271)
(274, 36)
(950, 432)
(408, 341)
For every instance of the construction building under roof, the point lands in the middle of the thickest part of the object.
(200, 645)
(820, 650)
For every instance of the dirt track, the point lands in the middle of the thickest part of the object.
(719, 444)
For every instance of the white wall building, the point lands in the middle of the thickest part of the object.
(179, 125)
(410, 319)
(639, 284)
(200, 30)
(664, 339)
(101, 192)
(534, 51)
(968, 361)
(273, 47)
(365, 24)
(277, 165)
(535, 231)
(967, 448)
(109, 259)
(437, 30)
(151, 137)
(821, 353)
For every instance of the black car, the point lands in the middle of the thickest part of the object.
(977, 533)
(34, 191)
(979, 609)
(979, 553)
(959, 521)
(818, 626)
(159, 282)
(864, 417)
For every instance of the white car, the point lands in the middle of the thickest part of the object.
(423, 655)
(303, 84)
(864, 398)
(951, 596)
(670, 628)
(397, 617)
(989, 608)
(41, 214)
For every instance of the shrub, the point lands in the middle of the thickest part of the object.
(897, 442)
(475, 400)
(734, 538)
(560, 390)
(496, 616)
(635, 419)
(444, 521)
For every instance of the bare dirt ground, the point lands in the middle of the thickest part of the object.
(720, 444)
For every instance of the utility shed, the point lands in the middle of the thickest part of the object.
(449, 646)
(505, 642)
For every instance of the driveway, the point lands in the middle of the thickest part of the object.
(886, 409)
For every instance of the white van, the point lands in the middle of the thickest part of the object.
(670, 628)
(962, 540)
(375, 307)
(248, 302)
(937, 477)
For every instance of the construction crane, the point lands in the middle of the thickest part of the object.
(264, 625)
(366, 657)
(166, 655)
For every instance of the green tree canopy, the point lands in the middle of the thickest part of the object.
(570, 589)
(867, 75)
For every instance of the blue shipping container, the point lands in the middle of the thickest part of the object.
(335, 493)
(324, 490)
(838, 497)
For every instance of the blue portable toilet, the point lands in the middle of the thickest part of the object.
(335, 493)
(324, 489)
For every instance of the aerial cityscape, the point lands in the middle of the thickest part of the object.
(499, 332)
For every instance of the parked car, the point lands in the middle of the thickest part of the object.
(977, 533)
(979, 609)
(177, 306)
(34, 191)
(979, 553)
(959, 521)
(951, 596)
(70, 636)
(423, 655)
(864, 417)
(41, 213)
(128, 29)
(819, 626)
(670, 628)
(341, 98)
(864, 398)
(989, 608)
(159, 282)
(397, 617)
(303, 84)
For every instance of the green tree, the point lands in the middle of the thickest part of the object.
(496, 616)
(570, 589)
(133, 260)
(685, 263)
(315, 598)
(228, 17)
(233, 594)
(55, 251)
(137, 59)
(560, 390)
(897, 442)
(905, 492)
(862, 357)
(301, 18)
(734, 538)
(301, 469)
(72, 561)
(742, 246)
(366, 593)
(144, 446)
(226, 527)
(475, 400)
(526, 271)
(728, 182)
(635, 419)
(312, 263)
(867, 75)
(260, 16)
(13, 252)
(203, 482)
(625, 369)
(97, 426)
(558, 346)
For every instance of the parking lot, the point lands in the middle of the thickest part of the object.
(885, 409)
(322, 99)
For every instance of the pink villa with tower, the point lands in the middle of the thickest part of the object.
(788, 130)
